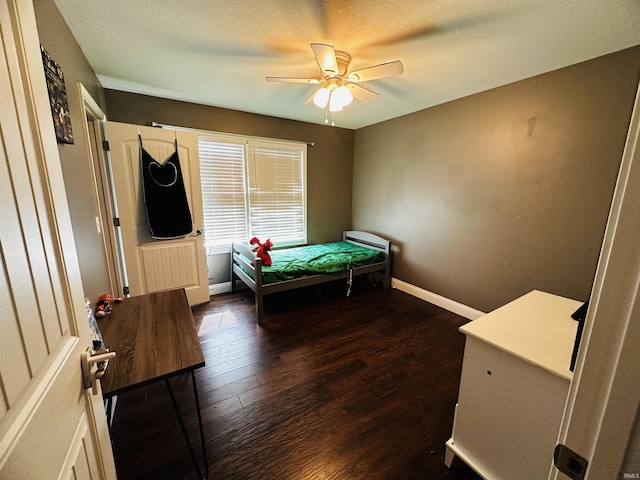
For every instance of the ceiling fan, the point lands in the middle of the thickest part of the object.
(337, 87)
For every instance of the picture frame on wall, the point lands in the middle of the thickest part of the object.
(57, 98)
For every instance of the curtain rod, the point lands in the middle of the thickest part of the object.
(197, 130)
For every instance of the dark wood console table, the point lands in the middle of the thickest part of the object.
(155, 338)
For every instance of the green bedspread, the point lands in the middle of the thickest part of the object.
(292, 263)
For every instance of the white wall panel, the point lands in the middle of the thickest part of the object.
(169, 266)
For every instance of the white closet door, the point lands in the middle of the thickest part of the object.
(155, 265)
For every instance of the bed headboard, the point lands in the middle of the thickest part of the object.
(367, 239)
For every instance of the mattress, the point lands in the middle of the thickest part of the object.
(292, 263)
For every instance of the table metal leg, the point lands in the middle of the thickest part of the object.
(184, 430)
(109, 409)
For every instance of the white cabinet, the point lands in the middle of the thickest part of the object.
(513, 388)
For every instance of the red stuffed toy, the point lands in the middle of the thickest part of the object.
(262, 250)
(103, 307)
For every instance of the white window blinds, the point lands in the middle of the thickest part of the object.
(276, 193)
(253, 188)
(223, 191)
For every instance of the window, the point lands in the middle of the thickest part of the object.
(253, 188)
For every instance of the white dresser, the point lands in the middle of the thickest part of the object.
(513, 388)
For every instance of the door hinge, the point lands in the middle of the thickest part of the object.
(116, 221)
(569, 462)
(105, 145)
(125, 291)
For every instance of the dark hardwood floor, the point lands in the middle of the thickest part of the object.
(331, 388)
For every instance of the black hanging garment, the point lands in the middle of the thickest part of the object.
(165, 198)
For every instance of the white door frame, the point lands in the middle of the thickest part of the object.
(604, 397)
(100, 166)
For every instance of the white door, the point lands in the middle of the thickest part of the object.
(602, 416)
(50, 426)
(155, 265)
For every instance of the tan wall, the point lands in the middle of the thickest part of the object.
(57, 39)
(499, 193)
(329, 163)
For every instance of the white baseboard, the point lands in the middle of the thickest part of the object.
(220, 288)
(225, 287)
(439, 300)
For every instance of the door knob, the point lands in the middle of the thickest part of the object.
(94, 366)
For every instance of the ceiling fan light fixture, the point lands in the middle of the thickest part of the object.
(334, 95)
(342, 95)
(334, 105)
(321, 98)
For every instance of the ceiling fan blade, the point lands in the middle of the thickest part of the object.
(326, 58)
(414, 34)
(310, 99)
(361, 93)
(311, 81)
(389, 69)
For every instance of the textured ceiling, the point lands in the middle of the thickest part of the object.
(217, 52)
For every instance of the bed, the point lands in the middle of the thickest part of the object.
(359, 253)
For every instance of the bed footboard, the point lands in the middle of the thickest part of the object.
(247, 267)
